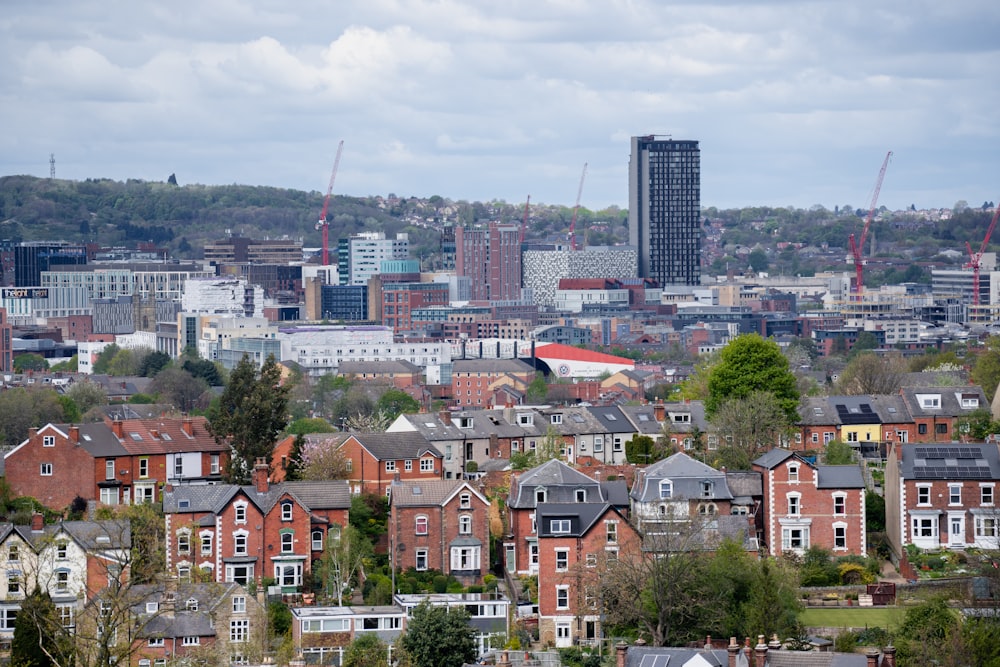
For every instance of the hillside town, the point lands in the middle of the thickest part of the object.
(290, 454)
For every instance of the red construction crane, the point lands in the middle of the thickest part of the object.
(323, 224)
(975, 257)
(524, 222)
(572, 224)
(858, 248)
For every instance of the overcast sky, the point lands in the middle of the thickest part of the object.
(794, 102)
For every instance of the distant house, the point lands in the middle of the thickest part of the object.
(942, 496)
(440, 525)
(374, 460)
(811, 505)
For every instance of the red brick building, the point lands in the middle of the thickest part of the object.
(374, 460)
(440, 525)
(491, 258)
(942, 496)
(577, 543)
(245, 533)
(399, 300)
(473, 381)
(811, 505)
(115, 462)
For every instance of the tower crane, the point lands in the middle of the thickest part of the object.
(858, 248)
(524, 221)
(974, 258)
(323, 224)
(576, 208)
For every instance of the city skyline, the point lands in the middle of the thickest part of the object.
(793, 103)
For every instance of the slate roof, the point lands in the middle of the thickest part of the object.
(575, 420)
(181, 621)
(97, 439)
(745, 484)
(397, 445)
(612, 419)
(582, 517)
(560, 482)
(697, 411)
(330, 494)
(773, 458)
(432, 492)
(839, 477)
(88, 534)
(686, 476)
(643, 418)
(679, 657)
(951, 398)
(949, 462)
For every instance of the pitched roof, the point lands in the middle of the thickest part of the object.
(773, 458)
(687, 477)
(212, 498)
(839, 477)
(167, 435)
(400, 366)
(396, 445)
(582, 517)
(560, 482)
(612, 419)
(429, 492)
(949, 462)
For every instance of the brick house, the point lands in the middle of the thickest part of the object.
(398, 373)
(474, 380)
(71, 560)
(440, 525)
(811, 505)
(245, 533)
(936, 411)
(552, 482)
(211, 622)
(942, 496)
(374, 460)
(577, 542)
(117, 461)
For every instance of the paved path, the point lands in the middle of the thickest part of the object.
(889, 573)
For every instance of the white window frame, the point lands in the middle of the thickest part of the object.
(562, 559)
(45, 469)
(420, 560)
(839, 534)
(925, 491)
(562, 597)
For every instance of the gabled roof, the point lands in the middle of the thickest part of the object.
(950, 401)
(96, 439)
(166, 435)
(180, 621)
(89, 535)
(397, 445)
(213, 498)
(774, 458)
(432, 492)
(643, 418)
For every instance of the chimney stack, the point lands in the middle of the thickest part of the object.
(445, 417)
(890, 656)
(621, 650)
(32, 432)
(734, 651)
(118, 428)
(260, 470)
(37, 523)
(760, 652)
(74, 434)
(659, 411)
(188, 426)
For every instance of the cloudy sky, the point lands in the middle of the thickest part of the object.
(794, 102)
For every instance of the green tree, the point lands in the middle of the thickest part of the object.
(87, 395)
(772, 606)
(310, 425)
(366, 651)
(926, 633)
(153, 363)
(747, 364)
(748, 427)
(440, 637)
(66, 366)
(986, 370)
(865, 342)
(29, 362)
(342, 561)
(538, 390)
(642, 450)
(758, 260)
(370, 515)
(395, 402)
(39, 639)
(837, 452)
(978, 424)
(249, 416)
(203, 369)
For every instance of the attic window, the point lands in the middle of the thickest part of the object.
(465, 422)
(165, 436)
(135, 436)
(643, 417)
(524, 419)
(970, 401)
(556, 419)
(103, 539)
(86, 437)
(417, 491)
(611, 418)
(183, 504)
(559, 526)
(430, 424)
(681, 419)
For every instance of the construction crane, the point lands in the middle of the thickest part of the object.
(858, 248)
(974, 258)
(323, 224)
(524, 221)
(576, 208)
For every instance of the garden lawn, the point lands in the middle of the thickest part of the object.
(852, 617)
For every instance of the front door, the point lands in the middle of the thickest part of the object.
(956, 531)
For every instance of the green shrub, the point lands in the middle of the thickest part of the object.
(440, 584)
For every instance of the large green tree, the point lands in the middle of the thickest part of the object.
(440, 637)
(747, 427)
(250, 414)
(750, 363)
(395, 402)
(366, 651)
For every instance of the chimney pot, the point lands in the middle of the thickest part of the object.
(621, 651)
(734, 650)
(260, 472)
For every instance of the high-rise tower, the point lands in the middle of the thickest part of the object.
(664, 209)
(491, 258)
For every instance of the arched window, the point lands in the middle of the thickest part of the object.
(421, 527)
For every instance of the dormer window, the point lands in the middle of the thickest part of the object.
(540, 495)
(666, 489)
(559, 526)
(706, 489)
(556, 419)
(465, 422)
(581, 495)
(525, 419)
(929, 401)
(970, 401)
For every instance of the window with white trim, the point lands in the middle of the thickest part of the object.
(794, 538)
(240, 543)
(408, 465)
(286, 511)
(793, 472)
(239, 604)
(45, 469)
(986, 494)
(48, 441)
(426, 465)
(421, 525)
(666, 489)
(562, 560)
(239, 630)
(183, 541)
(206, 543)
(794, 504)
(924, 494)
(465, 558)
(240, 512)
(562, 597)
(390, 466)
(986, 526)
(421, 560)
(465, 524)
(317, 540)
(840, 504)
(559, 526)
(840, 536)
(954, 494)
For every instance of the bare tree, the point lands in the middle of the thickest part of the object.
(343, 560)
(748, 427)
(870, 373)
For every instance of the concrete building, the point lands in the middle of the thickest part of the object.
(320, 349)
(664, 209)
(222, 296)
(543, 269)
(360, 257)
(491, 258)
(267, 251)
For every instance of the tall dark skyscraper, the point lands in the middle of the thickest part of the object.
(664, 209)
